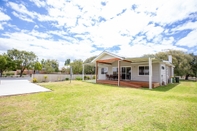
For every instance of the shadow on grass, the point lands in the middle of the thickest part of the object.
(163, 88)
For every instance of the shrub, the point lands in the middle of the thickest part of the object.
(11, 74)
(86, 77)
(66, 79)
(35, 80)
(78, 78)
(94, 77)
(8, 74)
(45, 77)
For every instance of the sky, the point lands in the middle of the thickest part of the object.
(79, 29)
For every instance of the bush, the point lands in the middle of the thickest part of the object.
(7, 74)
(78, 78)
(11, 73)
(35, 80)
(45, 77)
(66, 79)
(86, 77)
(94, 77)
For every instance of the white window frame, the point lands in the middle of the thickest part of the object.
(144, 68)
(105, 70)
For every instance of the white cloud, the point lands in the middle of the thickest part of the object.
(22, 17)
(20, 8)
(39, 3)
(152, 31)
(4, 17)
(190, 40)
(188, 25)
(36, 26)
(119, 31)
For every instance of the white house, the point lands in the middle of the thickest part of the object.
(136, 72)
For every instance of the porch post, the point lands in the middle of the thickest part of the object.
(96, 71)
(83, 73)
(150, 72)
(118, 72)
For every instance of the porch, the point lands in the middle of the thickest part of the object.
(129, 83)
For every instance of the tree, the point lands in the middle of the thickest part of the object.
(6, 64)
(22, 59)
(193, 64)
(77, 66)
(67, 62)
(37, 66)
(3, 64)
(180, 60)
(50, 65)
(89, 69)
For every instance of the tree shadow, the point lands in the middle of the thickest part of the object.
(163, 88)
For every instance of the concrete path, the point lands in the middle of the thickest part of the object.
(16, 87)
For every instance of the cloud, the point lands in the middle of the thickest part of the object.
(189, 25)
(4, 17)
(22, 17)
(21, 9)
(80, 29)
(152, 31)
(39, 3)
(190, 40)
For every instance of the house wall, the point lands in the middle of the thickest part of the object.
(135, 71)
(159, 75)
(155, 74)
(106, 57)
(163, 74)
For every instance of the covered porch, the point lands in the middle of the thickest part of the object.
(115, 70)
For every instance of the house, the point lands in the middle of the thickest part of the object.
(134, 72)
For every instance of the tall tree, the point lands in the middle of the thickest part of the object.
(193, 64)
(50, 65)
(23, 59)
(3, 64)
(67, 62)
(77, 66)
(180, 60)
(37, 66)
(89, 69)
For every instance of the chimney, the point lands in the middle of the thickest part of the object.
(170, 58)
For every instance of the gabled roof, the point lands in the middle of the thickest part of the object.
(132, 60)
(106, 53)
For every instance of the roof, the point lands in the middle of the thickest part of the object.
(106, 53)
(142, 59)
(132, 60)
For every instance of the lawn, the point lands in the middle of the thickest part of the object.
(88, 106)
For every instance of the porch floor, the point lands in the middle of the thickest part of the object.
(136, 84)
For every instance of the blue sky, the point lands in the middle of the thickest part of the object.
(76, 29)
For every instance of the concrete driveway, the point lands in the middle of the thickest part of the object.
(19, 86)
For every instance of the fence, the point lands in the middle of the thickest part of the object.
(57, 77)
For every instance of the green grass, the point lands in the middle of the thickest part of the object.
(87, 106)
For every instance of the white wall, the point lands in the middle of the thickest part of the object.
(106, 57)
(163, 74)
(56, 77)
(155, 74)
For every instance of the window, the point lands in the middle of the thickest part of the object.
(143, 70)
(104, 70)
(115, 70)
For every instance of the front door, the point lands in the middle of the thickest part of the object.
(126, 73)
